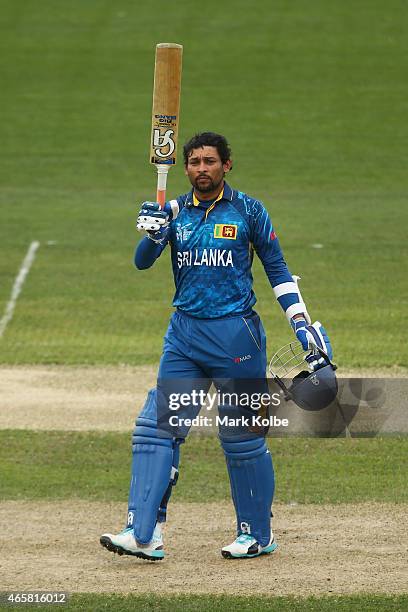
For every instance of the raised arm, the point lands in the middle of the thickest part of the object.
(155, 221)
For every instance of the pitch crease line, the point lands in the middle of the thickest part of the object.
(18, 285)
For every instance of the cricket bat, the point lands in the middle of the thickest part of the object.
(165, 112)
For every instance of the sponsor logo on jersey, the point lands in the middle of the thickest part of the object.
(205, 257)
(243, 358)
(273, 235)
(222, 230)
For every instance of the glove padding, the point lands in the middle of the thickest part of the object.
(310, 337)
(152, 218)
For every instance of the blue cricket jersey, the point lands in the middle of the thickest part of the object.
(212, 249)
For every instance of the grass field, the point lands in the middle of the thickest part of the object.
(62, 465)
(313, 98)
(315, 111)
(218, 604)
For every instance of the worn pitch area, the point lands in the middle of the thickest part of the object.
(322, 549)
(89, 398)
(345, 548)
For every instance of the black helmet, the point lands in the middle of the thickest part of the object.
(310, 390)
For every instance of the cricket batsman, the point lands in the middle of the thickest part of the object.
(214, 334)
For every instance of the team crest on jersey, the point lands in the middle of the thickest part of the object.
(223, 230)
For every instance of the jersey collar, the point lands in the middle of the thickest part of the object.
(226, 194)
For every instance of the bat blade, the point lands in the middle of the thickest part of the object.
(166, 103)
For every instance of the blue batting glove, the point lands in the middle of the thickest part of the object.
(321, 338)
(310, 337)
(152, 218)
(300, 326)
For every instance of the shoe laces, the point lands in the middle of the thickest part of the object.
(157, 534)
(244, 538)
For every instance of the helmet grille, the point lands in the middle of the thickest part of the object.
(289, 358)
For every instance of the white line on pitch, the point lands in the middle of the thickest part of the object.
(18, 285)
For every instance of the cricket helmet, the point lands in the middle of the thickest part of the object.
(310, 390)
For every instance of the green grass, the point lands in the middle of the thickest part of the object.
(58, 465)
(314, 101)
(230, 603)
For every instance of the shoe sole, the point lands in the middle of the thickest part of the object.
(270, 549)
(109, 545)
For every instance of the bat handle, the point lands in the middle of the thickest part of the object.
(162, 172)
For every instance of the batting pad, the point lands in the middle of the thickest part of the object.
(152, 471)
(252, 481)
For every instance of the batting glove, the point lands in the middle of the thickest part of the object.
(310, 337)
(152, 218)
(155, 220)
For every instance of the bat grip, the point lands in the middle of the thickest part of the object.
(162, 172)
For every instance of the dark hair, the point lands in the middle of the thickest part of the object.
(208, 139)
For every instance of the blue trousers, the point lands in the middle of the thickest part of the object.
(196, 353)
(232, 347)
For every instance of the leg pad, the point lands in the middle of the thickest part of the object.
(153, 472)
(252, 483)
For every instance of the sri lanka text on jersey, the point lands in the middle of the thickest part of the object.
(205, 257)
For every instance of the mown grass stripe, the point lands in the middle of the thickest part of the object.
(228, 603)
(61, 465)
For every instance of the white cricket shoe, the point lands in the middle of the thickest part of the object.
(124, 543)
(245, 546)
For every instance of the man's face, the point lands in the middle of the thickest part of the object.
(205, 169)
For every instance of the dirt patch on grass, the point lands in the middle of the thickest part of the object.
(88, 398)
(322, 549)
(73, 398)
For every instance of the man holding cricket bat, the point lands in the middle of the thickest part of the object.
(214, 334)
